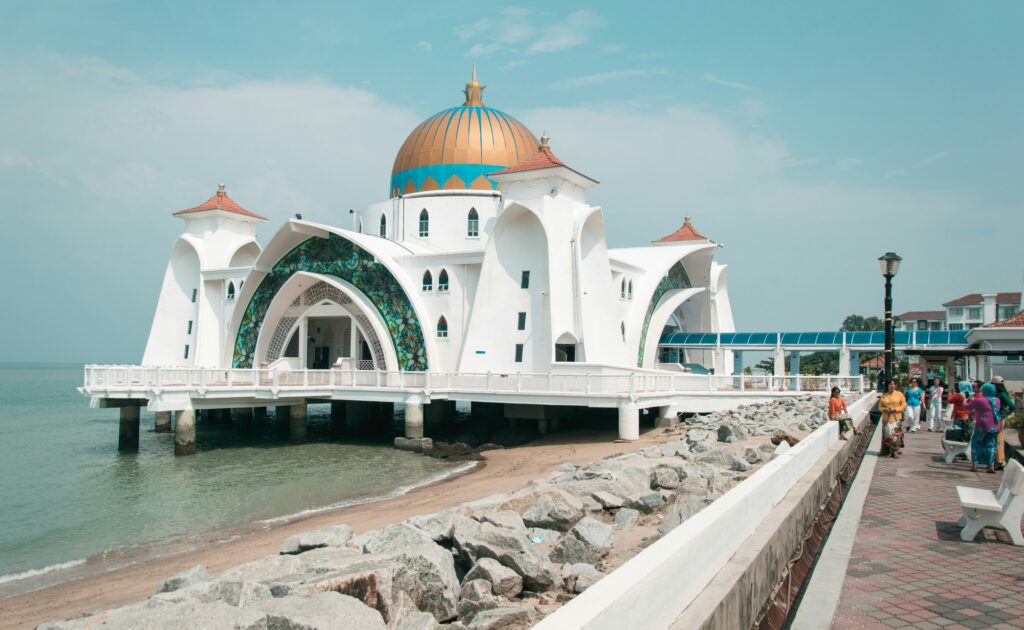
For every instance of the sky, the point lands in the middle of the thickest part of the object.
(809, 138)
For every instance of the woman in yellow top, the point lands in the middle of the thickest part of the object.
(892, 405)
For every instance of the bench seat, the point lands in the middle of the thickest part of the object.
(978, 499)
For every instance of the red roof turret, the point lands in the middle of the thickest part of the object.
(685, 233)
(222, 202)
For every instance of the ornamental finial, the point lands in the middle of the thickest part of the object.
(544, 140)
(220, 189)
(474, 92)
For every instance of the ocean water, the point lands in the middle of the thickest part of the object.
(67, 494)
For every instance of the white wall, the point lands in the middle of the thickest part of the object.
(448, 213)
(168, 334)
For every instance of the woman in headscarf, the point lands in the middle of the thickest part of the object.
(985, 409)
(892, 404)
(1007, 407)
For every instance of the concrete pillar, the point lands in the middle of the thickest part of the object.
(413, 419)
(855, 362)
(794, 369)
(844, 362)
(163, 422)
(338, 413)
(665, 418)
(303, 342)
(185, 433)
(737, 362)
(542, 426)
(629, 422)
(718, 359)
(297, 423)
(950, 376)
(780, 362)
(128, 433)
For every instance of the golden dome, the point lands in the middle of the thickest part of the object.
(458, 147)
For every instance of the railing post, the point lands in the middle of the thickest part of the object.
(519, 381)
(426, 380)
(828, 384)
(276, 379)
(588, 382)
(158, 379)
(305, 377)
(488, 380)
(378, 377)
(632, 386)
(202, 377)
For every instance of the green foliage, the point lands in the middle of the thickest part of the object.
(856, 323)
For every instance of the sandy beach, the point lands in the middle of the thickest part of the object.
(503, 470)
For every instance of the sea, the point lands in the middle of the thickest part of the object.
(69, 500)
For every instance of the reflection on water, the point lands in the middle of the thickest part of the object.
(67, 492)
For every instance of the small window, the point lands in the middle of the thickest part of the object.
(231, 291)
(956, 326)
(622, 327)
(428, 281)
(525, 283)
(1014, 358)
(629, 290)
(383, 225)
(424, 223)
(622, 290)
(974, 312)
(519, 353)
(521, 325)
(189, 331)
(195, 293)
(442, 280)
(186, 350)
(956, 311)
(442, 328)
(473, 223)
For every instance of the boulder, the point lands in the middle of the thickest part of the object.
(608, 500)
(323, 611)
(504, 581)
(192, 615)
(590, 504)
(720, 457)
(186, 578)
(587, 542)
(392, 537)
(506, 618)
(664, 478)
(439, 526)
(334, 536)
(739, 464)
(508, 519)
(645, 502)
(476, 596)
(626, 518)
(684, 507)
(418, 621)
(268, 570)
(579, 577)
(554, 511)
(510, 549)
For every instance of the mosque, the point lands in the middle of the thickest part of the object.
(484, 258)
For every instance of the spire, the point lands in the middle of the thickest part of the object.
(220, 190)
(474, 92)
(544, 140)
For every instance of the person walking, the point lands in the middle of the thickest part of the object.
(1007, 407)
(913, 412)
(958, 400)
(837, 411)
(892, 404)
(935, 393)
(985, 409)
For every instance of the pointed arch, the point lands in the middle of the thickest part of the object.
(424, 223)
(428, 281)
(231, 290)
(383, 226)
(442, 328)
(442, 281)
(629, 290)
(473, 223)
(622, 291)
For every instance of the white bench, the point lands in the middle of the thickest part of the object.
(1003, 508)
(952, 449)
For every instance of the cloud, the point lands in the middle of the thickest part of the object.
(10, 158)
(512, 65)
(901, 171)
(711, 78)
(569, 33)
(425, 45)
(479, 50)
(850, 163)
(933, 158)
(612, 48)
(605, 77)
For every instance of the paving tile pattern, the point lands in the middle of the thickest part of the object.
(909, 568)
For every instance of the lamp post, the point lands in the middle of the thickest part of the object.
(890, 264)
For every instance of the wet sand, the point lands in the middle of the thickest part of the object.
(503, 471)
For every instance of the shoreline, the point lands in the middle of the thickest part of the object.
(501, 471)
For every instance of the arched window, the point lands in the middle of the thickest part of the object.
(622, 327)
(442, 328)
(424, 223)
(231, 290)
(442, 280)
(359, 225)
(622, 292)
(473, 223)
(383, 225)
(428, 281)
(629, 291)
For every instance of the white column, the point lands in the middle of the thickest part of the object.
(185, 433)
(844, 361)
(413, 419)
(297, 422)
(718, 357)
(629, 422)
(303, 341)
(780, 362)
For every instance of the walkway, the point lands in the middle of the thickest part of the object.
(909, 568)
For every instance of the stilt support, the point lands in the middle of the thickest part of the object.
(297, 423)
(629, 422)
(163, 422)
(128, 434)
(413, 419)
(185, 433)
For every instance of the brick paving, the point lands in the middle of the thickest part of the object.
(909, 568)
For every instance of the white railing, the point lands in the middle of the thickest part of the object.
(121, 377)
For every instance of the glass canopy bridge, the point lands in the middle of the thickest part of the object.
(676, 347)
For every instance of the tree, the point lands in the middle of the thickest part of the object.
(857, 323)
(766, 365)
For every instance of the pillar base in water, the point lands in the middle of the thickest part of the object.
(185, 433)
(297, 423)
(413, 420)
(128, 432)
(163, 422)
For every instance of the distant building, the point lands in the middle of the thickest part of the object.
(1006, 335)
(964, 313)
(921, 320)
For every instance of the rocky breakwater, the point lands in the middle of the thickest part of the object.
(500, 562)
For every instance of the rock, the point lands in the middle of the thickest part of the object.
(510, 549)
(675, 449)
(588, 542)
(626, 518)
(507, 618)
(590, 504)
(752, 456)
(725, 434)
(186, 578)
(267, 571)
(664, 478)
(391, 537)
(594, 533)
(508, 519)
(415, 445)
(439, 526)
(720, 457)
(684, 507)
(547, 535)
(198, 616)
(566, 468)
(323, 611)
(476, 596)
(608, 500)
(418, 621)
(739, 464)
(554, 512)
(645, 502)
(579, 577)
(331, 559)
(504, 581)
(335, 536)
(232, 593)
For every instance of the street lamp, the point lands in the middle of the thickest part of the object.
(890, 264)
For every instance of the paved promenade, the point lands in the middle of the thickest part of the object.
(908, 567)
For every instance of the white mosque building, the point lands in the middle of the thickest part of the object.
(486, 257)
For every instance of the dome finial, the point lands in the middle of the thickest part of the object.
(686, 220)
(474, 92)
(220, 189)
(544, 140)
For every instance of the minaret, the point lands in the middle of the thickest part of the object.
(474, 92)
